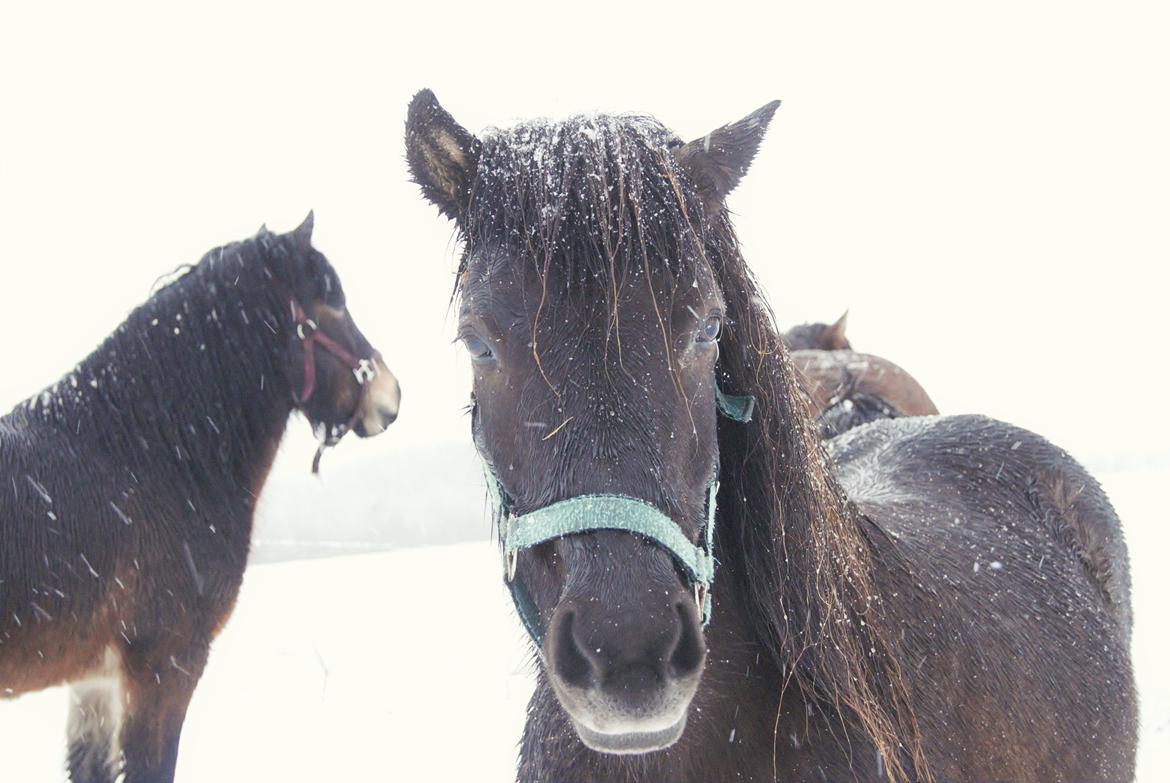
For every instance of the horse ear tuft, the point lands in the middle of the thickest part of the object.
(718, 161)
(303, 234)
(441, 153)
(835, 334)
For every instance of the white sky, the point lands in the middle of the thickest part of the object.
(985, 186)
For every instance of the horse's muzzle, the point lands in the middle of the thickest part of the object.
(626, 678)
(381, 403)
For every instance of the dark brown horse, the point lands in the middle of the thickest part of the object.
(130, 485)
(933, 599)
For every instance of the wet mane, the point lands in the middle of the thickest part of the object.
(604, 197)
(186, 374)
(599, 193)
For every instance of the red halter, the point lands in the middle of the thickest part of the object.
(365, 370)
(310, 335)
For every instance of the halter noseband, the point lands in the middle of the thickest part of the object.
(310, 335)
(586, 513)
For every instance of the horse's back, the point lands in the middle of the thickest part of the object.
(1005, 564)
(977, 461)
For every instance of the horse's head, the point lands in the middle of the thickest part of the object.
(339, 380)
(589, 301)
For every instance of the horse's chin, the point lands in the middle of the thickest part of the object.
(631, 742)
(328, 435)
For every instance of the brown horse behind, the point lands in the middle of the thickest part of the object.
(847, 388)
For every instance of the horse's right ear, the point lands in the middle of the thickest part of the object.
(718, 161)
(441, 153)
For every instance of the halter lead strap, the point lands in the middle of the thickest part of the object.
(586, 513)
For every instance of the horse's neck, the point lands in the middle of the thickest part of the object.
(187, 385)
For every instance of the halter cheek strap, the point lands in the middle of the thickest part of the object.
(365, 370)
(586, 513)
(311, 336)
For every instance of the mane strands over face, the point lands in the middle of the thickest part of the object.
(592, 189)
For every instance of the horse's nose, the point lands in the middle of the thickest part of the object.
(381, 405)
(629, 660)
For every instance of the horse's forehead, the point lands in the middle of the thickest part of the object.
(522, 286)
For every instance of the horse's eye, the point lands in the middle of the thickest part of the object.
(477, 348)
(709, 330)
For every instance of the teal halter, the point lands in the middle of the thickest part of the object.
(586, 513)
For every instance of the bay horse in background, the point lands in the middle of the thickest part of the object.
(848, 388)
(919, 599)
(130, 487)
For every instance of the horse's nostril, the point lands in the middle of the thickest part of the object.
(627, 660)
(687, 657)
(570, 662)
(389, 416)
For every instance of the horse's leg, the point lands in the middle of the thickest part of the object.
(158, 683)
(93, 732)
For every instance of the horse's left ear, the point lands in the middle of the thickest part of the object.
(303, 234)
(718, 161)
(442, 154)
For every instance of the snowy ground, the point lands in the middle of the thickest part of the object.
(394, 666)
(408, 665)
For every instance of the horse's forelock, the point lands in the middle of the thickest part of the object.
(591, 194)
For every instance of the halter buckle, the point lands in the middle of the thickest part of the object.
(700, 597)
(510, 564)
(306, 328)
(365, 372)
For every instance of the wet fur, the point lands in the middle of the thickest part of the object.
(852, 637)
(127, 497)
